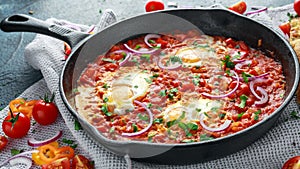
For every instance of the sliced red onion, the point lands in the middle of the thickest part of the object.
(128, 56)
(91, 29)
(34, 143)
(238, 61)
(251, 85)
(162, 66)
(222, 127)
(265, 97)
(20, 158)
(227, 94)
(150, 36)
(262, 9)
(239, 66)
(146, 128)
(141, 51)
(258, 77)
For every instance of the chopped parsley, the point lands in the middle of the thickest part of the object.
(227, 62)
(205, 113)
(243, 101)
(105, 86)
(108, 60)
(158, 120)
(14, 152)
(146, 57)
(245, 77)
(143, 117)
(222, 115)
(105, 100)
(256, 114)
(196, 80)
(185, 128)
(69, 142)
(163, 93)
(204, 137)
(105, 110)
(173, 60)
(198, 109)
(176, 121)
(295, 115)
(135, 128)
(137, 47)
(77, 125)
(148, 80)
(240, 115)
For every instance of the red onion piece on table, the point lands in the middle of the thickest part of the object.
(34, 143)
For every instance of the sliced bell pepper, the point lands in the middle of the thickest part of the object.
(22, 106)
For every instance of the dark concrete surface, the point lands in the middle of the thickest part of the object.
(16, 75)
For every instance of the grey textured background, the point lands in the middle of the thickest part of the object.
(16, 75)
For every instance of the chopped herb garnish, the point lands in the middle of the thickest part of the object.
(158, 120)
(105, 100)
(174, 90)
(192, 126)
(174, 59)
(204, 137)
(74, 146)
(105, 110)
(198, 109)
(112, 129)
(148, 80)
(294, 114)
(187, 141)
(77, 125)
(151, 41)
(215, 109)
(291, 16)
(14, 152)
(64, 140)
(227, 62)
(135, 128)
(108, 60)
(243, 101)
(206, 115)
(171, 96)
(137, 47)
(149, 105)
(246, 77)
(136, 86)
(222, 115)
(155, 76)
(176, 121)
(146, 57)
(239, 116)
(256, 114)
(143, 117)
(163, 93)
(105, 86)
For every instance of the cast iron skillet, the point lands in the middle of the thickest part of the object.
(212, 22)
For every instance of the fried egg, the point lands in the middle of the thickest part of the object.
(125, 89)
(192, 109)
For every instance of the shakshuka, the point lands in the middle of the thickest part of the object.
(179, 88)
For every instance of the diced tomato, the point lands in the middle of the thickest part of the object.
(240, 7)
(81, 162)
(3, 142)
(286, 28)
(292, 163)
(111, 67)
(230, 42)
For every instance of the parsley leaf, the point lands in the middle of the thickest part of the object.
(243, 101)
(227, 62)
(294, 114)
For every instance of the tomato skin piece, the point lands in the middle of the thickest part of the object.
(45, 113)
(292, 163)
(154, 5)
(297, 7)
(286, 28)
(3, 142)
(20, 127)
(81, 162)
(239, 7)
(61, 163)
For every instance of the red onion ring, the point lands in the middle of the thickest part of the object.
(227, 94)
(264, 99)
(146, 128)
(34, 143)
(262, 9)
(172, 67)
(128, 56)
(258, 77)
(141, 51)
(251, 85)
(150, 36)
(222, 127)
(19, 156)
(239, 66)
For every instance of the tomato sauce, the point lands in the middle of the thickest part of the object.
(179, 88)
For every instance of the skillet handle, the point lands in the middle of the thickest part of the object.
(25, 23)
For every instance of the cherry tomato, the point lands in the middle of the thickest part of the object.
(3, 142)
(154, 5)
(81, 162)
(45, 111)
(61, 163)
(16, 125)
(285, 28)
(240, 7)
(297, 7)
(292, 163)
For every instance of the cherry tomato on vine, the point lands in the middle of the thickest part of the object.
(80, 161)
(45, 111)
(239, 7)
(292, 163)
(154, 5)
(16, 125)
(3, 142)
(297, 7)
